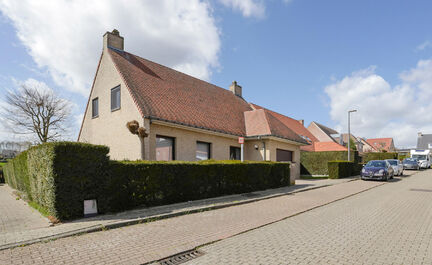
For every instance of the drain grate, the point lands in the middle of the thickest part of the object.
(424, 190)
(182, 257)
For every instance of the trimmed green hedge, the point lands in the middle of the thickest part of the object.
(379, 156)
(315, 163)
(60, 176)
(341, 169)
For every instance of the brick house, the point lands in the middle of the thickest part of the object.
(324, 139)
(185, 118)
(382, 144)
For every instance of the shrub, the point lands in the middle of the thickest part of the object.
(154, 183)
(379, 156)
(341, 169)
(315, 163)
(59, 176)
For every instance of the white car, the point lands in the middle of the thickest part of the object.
(397, 166)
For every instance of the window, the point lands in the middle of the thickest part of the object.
(95, 107)
(235, 153)
(165, 150)
(203, 151)
(115, 98)
(284, 155)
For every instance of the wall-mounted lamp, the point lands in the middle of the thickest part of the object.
(256, 147)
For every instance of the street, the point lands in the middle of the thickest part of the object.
(390, 224)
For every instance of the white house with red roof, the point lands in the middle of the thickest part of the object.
(184, 118)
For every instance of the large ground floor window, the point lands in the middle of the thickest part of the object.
(284, 155)
(165, 148)
(235, 153)
(203, 151)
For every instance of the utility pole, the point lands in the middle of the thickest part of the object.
(349, 135)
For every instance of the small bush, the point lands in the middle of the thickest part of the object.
(341, 169)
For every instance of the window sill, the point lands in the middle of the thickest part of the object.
(94, 117)
(115, 109)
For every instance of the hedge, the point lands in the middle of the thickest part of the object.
(143, 183)
(379, 156)
(341, 169)
(60, 176)
(315, 163)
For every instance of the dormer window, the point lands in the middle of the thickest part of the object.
(115, 98)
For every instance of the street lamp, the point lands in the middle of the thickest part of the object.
(349, 134)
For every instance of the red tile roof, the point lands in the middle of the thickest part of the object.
(166, 94)
(328, 146)
(380, 143)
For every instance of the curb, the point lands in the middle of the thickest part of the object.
(147, 219)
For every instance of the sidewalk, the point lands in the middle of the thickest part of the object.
(149, 242)
(22, 225)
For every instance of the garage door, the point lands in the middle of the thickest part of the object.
(284, 155)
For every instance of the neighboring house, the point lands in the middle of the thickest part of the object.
(366, 147)
(324, 139)
(382, 144)
(343, 140)
(322, 133)
(185, 118)
(424, 141)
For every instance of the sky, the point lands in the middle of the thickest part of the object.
(311, 60)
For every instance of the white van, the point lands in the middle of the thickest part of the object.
(423, 156)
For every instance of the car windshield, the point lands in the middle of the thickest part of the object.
(376, 164)
(393, 162)
(419, 157)
(410, 161)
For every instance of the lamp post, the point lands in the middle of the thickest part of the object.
(349, 134)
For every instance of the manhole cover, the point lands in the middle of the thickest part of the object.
(182, 257)
(423, 190)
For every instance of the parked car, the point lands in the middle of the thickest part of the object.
(397, 166)
(377, 169)
(410, 163)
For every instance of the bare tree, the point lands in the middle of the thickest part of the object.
(37, 111)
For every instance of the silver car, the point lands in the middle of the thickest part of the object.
(397, 166)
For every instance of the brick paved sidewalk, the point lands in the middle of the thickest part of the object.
(391, 224)
(143, 243)
(21, 224)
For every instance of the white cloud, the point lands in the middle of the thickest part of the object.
(399, 111)
(65, 37)
(424, 45)
(248, 8)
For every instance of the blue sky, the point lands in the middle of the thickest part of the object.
(310, 60)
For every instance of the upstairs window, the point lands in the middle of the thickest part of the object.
(203, 151)
(95, 107)
(115, 98)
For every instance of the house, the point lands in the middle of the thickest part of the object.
(325, 138)
(366, 147)
(382, 144)
(424, 141)
(343, 140)
(184, 118)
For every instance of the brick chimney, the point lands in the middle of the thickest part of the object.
(113, 39)
(236, 89)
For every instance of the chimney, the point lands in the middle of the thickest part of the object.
(113, 39)
(301, 122)
(420, 134)
(236, 89)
